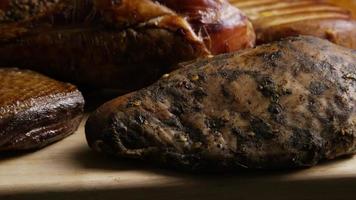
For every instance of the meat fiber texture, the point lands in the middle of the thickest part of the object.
(124, 44)
(286, 104)
(35, 110)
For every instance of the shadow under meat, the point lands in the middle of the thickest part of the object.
(88, 159)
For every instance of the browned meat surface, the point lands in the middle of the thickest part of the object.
(275, 19)
(120, 44)
(35, 110)
(286, 104)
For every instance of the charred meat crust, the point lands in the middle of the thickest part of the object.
(35, 110)
(282, 105)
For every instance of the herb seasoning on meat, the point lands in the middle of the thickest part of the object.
(285, 110)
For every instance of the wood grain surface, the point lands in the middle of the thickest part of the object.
(70, 170)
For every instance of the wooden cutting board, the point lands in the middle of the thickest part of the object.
(69, 170)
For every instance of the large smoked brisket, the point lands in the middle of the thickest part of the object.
(122, 44)
(286, 104)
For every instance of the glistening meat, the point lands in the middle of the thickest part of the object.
(123, 44)
(35, 110)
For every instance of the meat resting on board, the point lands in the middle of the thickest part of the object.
(286, 104)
